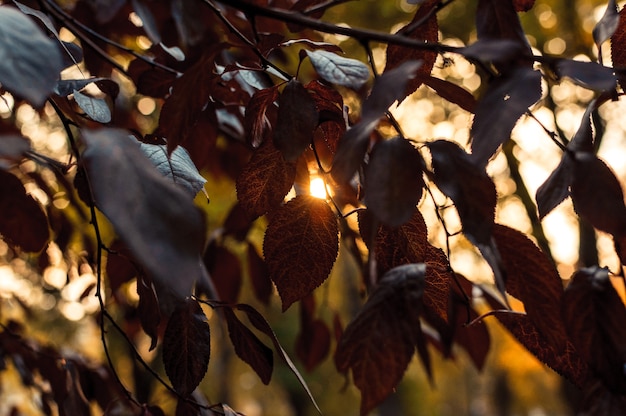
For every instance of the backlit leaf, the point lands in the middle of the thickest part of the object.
(450, 92)
(379, 343)
(393, 180)
(618, 42)
(606, 26)
(300, 247)
(339, 70)
(594, 315)
(470, 188)
(154, 217)
(586, 74)
(22, 221)
(497, 19)
(96, 108)
(265, 180)
(533, 279)
(297, 120)
(186, 347)
(428, 31)
(256, 120)
(30, 61)
(556, 188)
(507, 98)
(598, 195)
(176, 166)
(249, 348)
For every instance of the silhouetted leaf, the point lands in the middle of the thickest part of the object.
(470, 188)
(300, 247)
(148, 309)
(597, 194)
(297, 120)
(339, 70)
(388, 88)
(176, 166)
(257, 320)
(260, 275)
(379, 343)
(594, 314)
(265, 180)
(249, 348)
(436, 298)
(507, 98)
(428, 31)
(556, 188)
(393, 180)
(153, 216)
(606, 26)
(313, 339)
(13, 148)
(31, 62)
(225, 270)
(450, 92)
(497, 19)
(147, 19)
(96, 108)
(256, 121)
(150, 80)
(186, 347)
(533, 279)
(586, 74)
(492, 50)
(22, 221)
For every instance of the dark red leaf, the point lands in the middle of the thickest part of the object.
(249, 348)
(148, 309)
(556, 188)
(154, 217)
(450, 92)
(237, 223)
(186, 347)
(225, 270)
(256, 121)
(618, 42)
(598, 195)
(379, 343)
(470, 188)
(265, 180)
(507, 98)
(313, 343)
(297, 120)
(119, 266)
(150, 80)
(523, 5)
(388, 88)
(428, 31)
(259, 275)
(339, 70)
(606, 26)
(22, 221)
(533, 279)
(300, 247)
(594, 316)
(436, 298)
(393, 181)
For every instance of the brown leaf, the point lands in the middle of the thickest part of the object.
(249, 348)
(393, 181)
(148, 309)
(497, 19)
(296, 122)
(379, 343)
(256, 120)
(506, 99)
(618, 43)
(225, 270)
(533, 279)
(428, 31)
(22, 221)
(313, 343)
(300, 247)
(186, 347)
(437, 286)
(450, 92)
(161, 226)
(259, 275)
(556, 188)
(265, 180)
(594, 317)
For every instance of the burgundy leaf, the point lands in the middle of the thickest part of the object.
(225, 270)
(297, 120)
(249, 348)
(300, 247)
(523, 5)
(150, 80)
(260, 275)
(556, 188)
(450, 92)
(265, 180)
(618, 42)
(339, 70)
(22, 221)
(598, 195)
(186, 347)
(256, 121)
(594, 316)
(393, 181)
(237, 223)
(312, 343)
(379, 343)
(507, 98)
(154, 217)
(148, 309)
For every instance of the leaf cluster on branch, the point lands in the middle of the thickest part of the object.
(254, 91)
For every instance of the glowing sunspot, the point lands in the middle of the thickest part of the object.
(318, 188)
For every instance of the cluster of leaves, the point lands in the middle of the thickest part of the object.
(225, 78)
